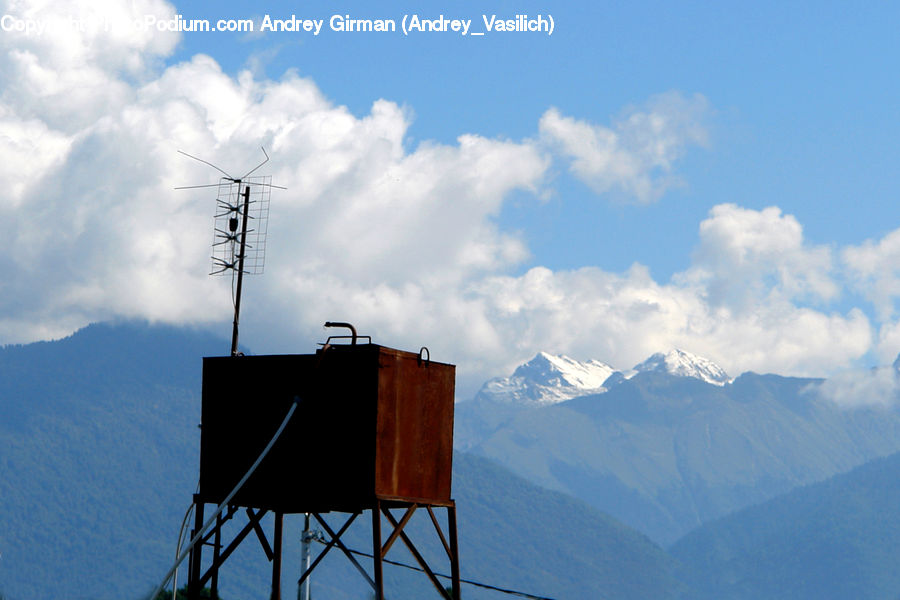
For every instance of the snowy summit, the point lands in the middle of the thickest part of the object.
(684, 364)
(548, 379)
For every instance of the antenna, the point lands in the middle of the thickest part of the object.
(238, 248)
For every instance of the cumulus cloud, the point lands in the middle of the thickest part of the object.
(625, 318)
(368, 229)
(745, 256)
(635, 156)
(875, 267)
(401, 240)
(872, 269)
(879, 387)
(82, 60)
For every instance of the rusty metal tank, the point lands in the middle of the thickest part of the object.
(371, 422)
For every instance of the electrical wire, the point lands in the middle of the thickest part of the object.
(468, 581)
(226, 501)
(184, 521)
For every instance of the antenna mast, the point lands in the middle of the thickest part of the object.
(240, 271)
(237, 248)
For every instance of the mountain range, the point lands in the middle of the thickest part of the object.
(672, 443)
(550, 379)
(668, 480)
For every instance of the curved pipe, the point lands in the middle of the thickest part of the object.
(342, 324)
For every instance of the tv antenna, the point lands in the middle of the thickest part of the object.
(237, 248)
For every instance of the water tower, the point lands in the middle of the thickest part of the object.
(371, 431)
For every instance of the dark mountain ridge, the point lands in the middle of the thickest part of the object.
(836, 539)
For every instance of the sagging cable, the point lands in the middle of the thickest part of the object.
(461, 580)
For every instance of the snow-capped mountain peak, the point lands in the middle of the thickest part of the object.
(562, 370)
(548, 379)
(684, 364)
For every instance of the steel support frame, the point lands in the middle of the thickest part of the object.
(197, 579)
(381, 510)
(381, 546)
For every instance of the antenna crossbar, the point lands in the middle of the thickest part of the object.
(237, 248)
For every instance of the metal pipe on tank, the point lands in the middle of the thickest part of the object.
(352, 329)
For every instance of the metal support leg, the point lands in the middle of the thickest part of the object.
(377, 555)
(276, 557)
(196, 552)
(217, 548)
(454, 550)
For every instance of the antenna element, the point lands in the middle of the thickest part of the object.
(238, 247)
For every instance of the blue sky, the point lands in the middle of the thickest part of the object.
(802, 104)
(720, 177)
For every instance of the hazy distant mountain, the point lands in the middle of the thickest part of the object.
(99, 456)
(666, 452)
(833, 540)
(550, 379)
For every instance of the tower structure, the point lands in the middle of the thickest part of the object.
(371, 426)
(373, 430)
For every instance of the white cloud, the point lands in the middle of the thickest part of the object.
(879, 387)
(635, 157)
(875, 268)
(80, 63)
(622, 319)
(747, 255)
(401, 241)
(30, 149)
(367, 229)
(872, 269)
(887, 344)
